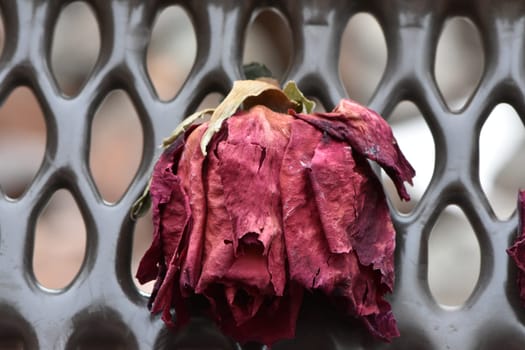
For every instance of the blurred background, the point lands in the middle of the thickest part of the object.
(116, 148)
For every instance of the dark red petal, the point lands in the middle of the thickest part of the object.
(275, 320)
(249, 165)
(244, 303)
(276, 265)
(250, 159)
(191, 172)
(218, 240)
(338, 192)
(361, 295)
(250, 269)
(517, 250)
(353, 207)
(368, 134)
(171, 213)
(309, 259)
(164, 298)
(375, 240)
(356, 283)
(382, 325)
(306, 249)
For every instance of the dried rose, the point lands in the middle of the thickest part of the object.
(272, 204)
(517, 250)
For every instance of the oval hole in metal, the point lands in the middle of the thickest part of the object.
(171, 51)
(417, 144)
(459, 61)
(60, 242)
(22, 141)
(454, 258)
(116, 145)
(142, 236)
(100, 328)
(211, 100)
(75, 47)
(319, 107)
(199, 333)
(268, 41)
(501, 159)
(362, 58)
(15, 332)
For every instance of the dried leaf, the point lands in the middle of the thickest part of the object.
(241, 90)
(184, 125)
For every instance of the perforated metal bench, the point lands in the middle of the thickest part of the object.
(102, 307)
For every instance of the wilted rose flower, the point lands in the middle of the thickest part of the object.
(517, 251)
(281, 203)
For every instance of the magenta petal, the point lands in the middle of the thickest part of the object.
(275, 319)
(244, 303)
(352, 207)
(251, 270)
(190, 171)
(375, 241)
(164, 297)
(369, 135)
(339, 243)
(218, 253)
(310, 262)
(305, 247)
(171, 213)
(250, 159)
(338, 193)
(175, 215)
(382, 325)
(276, 265)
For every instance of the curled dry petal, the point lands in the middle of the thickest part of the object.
(369, 135)
(190, 170)
(363, 224)
(338, 232)
(177, 230)
(171, 213)
(274, 321)
(517, 250)
(252, 281)
(250, 159)
(165, 189)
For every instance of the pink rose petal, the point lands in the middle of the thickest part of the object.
(369, 135)
(190, 171)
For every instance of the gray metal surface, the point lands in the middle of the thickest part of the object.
(103, 309)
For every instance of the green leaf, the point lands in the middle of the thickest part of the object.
(292, 91)
(142, 204)
(256, 70)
